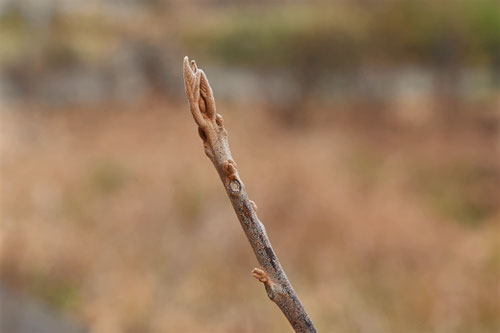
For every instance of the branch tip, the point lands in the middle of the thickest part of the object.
(193, 66)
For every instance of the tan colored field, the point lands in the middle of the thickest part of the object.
(116, 217)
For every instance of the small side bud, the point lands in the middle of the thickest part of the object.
(229, 168)
(219, 120)
(260, 275)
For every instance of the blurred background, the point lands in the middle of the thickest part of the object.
(368, 133)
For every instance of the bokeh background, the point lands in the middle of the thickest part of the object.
(367, 132)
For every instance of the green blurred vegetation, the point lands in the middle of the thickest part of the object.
(461, 192)
(326, 48)
(108, 177)
(60, 40)
(307, 39)
(58, 291)
(335, 35)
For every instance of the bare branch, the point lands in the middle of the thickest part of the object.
(216, 145)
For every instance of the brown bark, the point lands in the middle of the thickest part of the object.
(215, 141)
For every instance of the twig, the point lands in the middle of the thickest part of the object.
(215, 142)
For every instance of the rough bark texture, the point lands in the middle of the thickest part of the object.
(215, 141)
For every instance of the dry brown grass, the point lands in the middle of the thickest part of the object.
(99, 220)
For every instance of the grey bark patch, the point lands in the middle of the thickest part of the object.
(271, 256)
